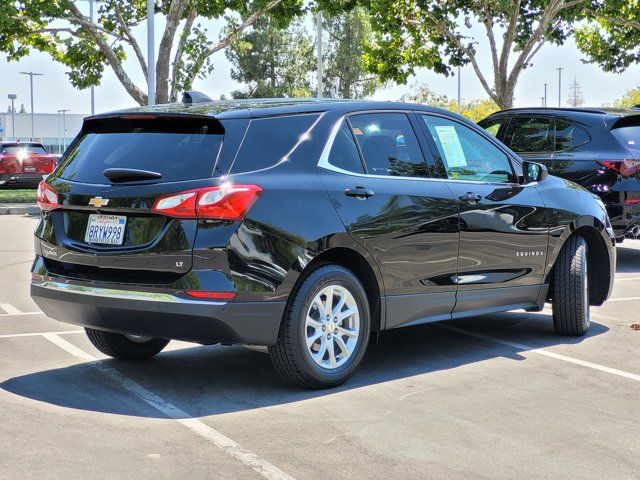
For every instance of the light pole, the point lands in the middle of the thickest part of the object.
(31, 74)
(545, 95)
(93, 96)
(13, 97)
(560, 85)
(64, 129)
(151, 69)
(459, 91)
(319, 53)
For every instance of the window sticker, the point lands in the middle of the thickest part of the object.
(451, 147)
(357, 131)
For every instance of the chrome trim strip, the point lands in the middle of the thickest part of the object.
(324, 162)
(118, 294)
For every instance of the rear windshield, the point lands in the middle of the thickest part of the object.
(629, 137)
(177, 156)
(15, 149)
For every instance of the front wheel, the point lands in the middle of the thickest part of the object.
(125, 347)
(325, 329)
(571, 310)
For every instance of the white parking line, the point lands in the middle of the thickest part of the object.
(623, 299)
(625, 279)
(10, 309)
(544, 353)
(19, 314)
(250, 459)
(39, 334)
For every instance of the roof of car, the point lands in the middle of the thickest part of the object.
(264, 107)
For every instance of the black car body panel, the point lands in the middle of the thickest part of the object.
(421, 252)
(580, 158)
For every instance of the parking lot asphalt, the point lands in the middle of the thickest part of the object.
(496, 397)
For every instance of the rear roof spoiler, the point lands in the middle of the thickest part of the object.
(151, 121)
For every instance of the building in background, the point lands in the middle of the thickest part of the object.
(47, 128)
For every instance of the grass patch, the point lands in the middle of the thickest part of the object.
(17, 196)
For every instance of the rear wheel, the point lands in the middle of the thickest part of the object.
(125, 347)
(325, 329)
(571, 310)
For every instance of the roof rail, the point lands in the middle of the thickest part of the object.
(193, 96)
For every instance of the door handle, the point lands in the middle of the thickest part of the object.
(470, 197)
(359, 192)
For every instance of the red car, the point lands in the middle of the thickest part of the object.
(24, 163)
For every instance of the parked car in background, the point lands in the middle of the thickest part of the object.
(305, 226)
(24, 164)
(597, 148)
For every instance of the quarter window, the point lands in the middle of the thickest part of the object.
(466, 154)
(344, 152)
(569, 135)
(530, 135)
(492, 128)
(389, 145)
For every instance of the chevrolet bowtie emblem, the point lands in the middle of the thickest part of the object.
(99, 202)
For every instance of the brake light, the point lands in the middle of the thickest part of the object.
(211, 295)
(47, 197)
(224, 202)
(627, 168)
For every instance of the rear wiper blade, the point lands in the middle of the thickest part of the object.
(130, 174)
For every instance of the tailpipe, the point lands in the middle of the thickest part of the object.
(633, 232)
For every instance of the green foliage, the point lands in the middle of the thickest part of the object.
(17, 196)
(475, 110)
(410, 34)
(612, 38)
(630, 99)
(271, 61)
(344, 72)
(61, 28)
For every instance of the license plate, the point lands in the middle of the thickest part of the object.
(29, 169)
(105, 229)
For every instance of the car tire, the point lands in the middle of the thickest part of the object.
(571, 310)
(316, 351)
(125, 347)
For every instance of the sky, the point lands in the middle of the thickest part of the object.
(53, 91)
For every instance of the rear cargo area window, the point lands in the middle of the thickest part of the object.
(177, 156)
(269, 140)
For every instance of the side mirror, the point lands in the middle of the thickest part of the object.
(534, 172)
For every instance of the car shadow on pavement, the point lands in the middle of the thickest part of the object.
(214, 380)
(628, 259)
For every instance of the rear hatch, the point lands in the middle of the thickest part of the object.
(106, 185)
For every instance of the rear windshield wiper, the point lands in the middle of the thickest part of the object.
(130, 174)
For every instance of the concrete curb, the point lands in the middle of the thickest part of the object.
(17, 209)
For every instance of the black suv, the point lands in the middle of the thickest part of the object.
(596, 148)
(305, 226)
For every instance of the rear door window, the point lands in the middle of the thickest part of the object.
(187, 155)
(530, 135)
(388, 144)
(269, 140)
(569, 135)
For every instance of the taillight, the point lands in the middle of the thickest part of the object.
(627, 168)
(224, 202)
(47, 197)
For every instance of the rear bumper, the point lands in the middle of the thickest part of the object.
(26, 179)
(160, 315)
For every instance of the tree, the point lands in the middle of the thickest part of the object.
(612, 37)
(271, 61)
(630, 99)
(344, 71)
(474, 110)
(60, 29)
(437, 35)
(575, 94)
